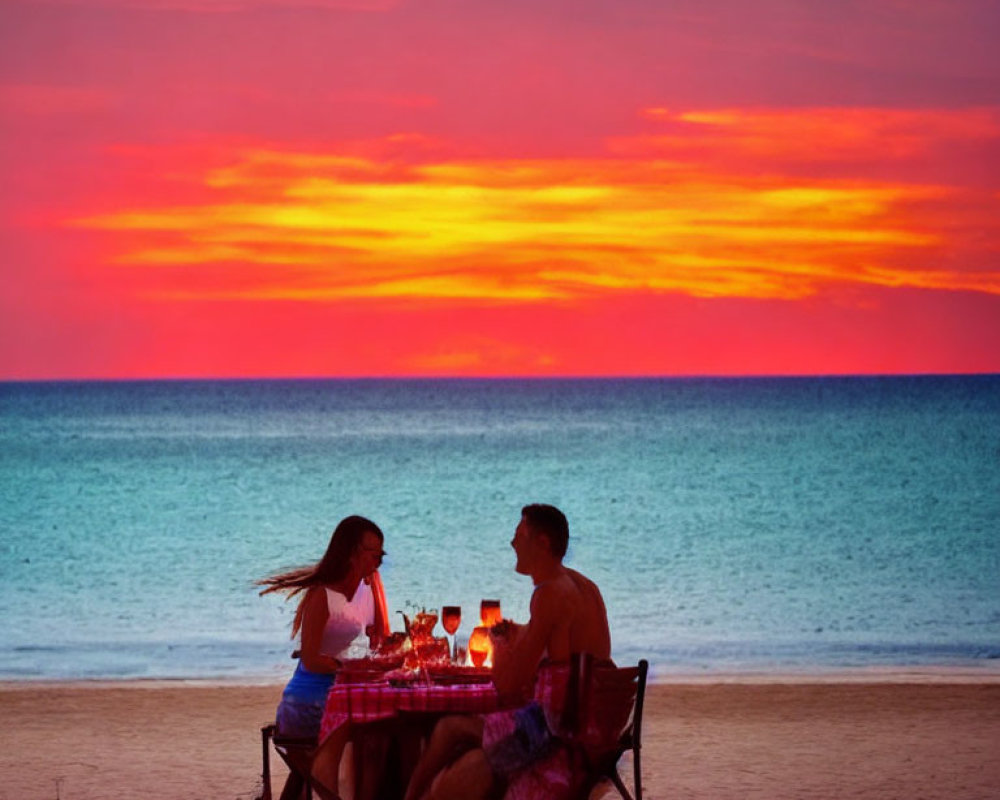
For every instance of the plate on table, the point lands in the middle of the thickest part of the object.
(402, 677)
(352, 675)
(366, 670)
(456, 674)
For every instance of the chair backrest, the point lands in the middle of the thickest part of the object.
(602, 716)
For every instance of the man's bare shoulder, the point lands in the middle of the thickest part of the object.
(566, 590)
(582, 581)
(552, 590)
(555, 595)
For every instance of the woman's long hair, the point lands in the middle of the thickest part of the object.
(332, 568)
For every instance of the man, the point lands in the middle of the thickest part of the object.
(567, 610)
(468, 755)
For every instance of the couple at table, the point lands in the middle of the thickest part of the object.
(472, 757)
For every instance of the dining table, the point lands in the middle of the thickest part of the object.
(387, 725)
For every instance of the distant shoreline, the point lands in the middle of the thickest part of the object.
(929, 674)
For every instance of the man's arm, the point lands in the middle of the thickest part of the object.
(516, 664)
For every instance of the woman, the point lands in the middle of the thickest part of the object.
(333, 611)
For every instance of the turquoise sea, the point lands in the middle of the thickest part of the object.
(734, 525)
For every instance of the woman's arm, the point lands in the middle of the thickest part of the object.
(314, 617)
(379, 629)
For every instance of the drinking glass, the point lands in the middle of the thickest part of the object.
(479, 645)
(489, 612)
(430, 617)
(451, 618)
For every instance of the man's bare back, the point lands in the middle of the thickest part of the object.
(580, 619)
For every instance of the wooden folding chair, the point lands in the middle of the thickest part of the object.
(296, 752)
(601, 721)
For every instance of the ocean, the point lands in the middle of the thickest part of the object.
(767, 525)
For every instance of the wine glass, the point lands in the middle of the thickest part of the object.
(489, 612)
(451, 618)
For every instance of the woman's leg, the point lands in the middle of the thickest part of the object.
(326, 762)
(452, 737)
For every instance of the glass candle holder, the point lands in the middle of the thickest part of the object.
(480, 645)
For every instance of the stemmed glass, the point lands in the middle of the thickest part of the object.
(451, 618)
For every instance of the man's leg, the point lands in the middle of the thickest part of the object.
(469, 778)
(452, 737)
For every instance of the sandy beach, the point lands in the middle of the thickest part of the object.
(907, 736)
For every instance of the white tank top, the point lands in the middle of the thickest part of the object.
(348, 620)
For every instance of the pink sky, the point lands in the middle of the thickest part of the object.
(220, 188)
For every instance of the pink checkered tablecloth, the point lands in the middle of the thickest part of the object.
(368, 702)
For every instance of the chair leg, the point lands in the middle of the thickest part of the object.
(299, 780)
(621, 787)
(294, 786)
(637, 772)
(265, 743)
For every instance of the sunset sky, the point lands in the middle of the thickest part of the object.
(237, 188)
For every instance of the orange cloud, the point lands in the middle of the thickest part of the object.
(349, 224)
(812, 134)
(478, 355)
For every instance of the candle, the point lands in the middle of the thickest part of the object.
(479, 645)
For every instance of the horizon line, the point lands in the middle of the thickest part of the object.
(487, 378)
